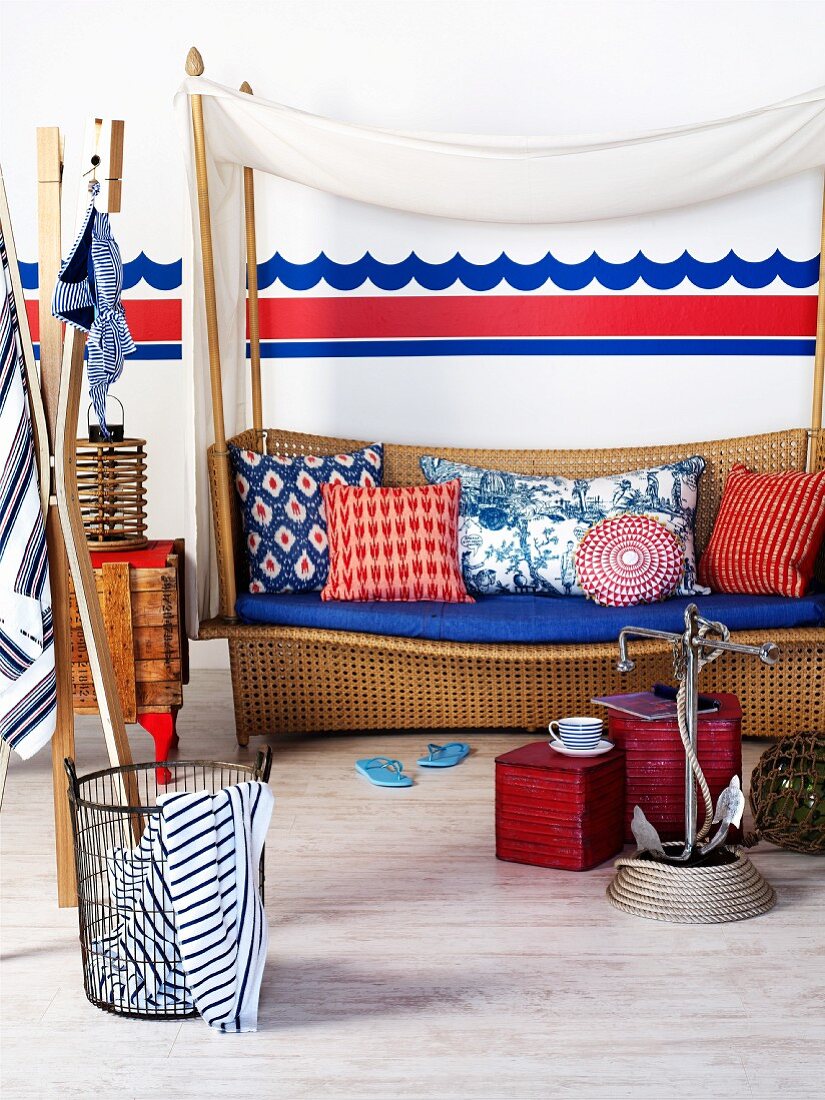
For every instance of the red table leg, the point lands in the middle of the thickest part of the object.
(161, 727)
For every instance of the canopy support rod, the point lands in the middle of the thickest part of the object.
(817, 441)
(226, 567)
(252, 297)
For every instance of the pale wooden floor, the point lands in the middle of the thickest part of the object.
(406, 961)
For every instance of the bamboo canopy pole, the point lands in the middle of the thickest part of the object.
(817, 441)
(252, 296)
(226, 568)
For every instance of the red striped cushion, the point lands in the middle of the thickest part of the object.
(767, 533)
(394, 543)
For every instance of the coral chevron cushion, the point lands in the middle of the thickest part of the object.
(284, 524)
(394, 544)
(767, 533)
(629, 560)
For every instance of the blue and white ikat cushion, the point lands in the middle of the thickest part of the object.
(283, 512)
(519, 534)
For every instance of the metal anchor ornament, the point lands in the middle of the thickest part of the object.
(729, 809)
(701, 642)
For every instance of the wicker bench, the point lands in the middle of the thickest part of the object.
(292, 679)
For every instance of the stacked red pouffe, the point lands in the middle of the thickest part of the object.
(559, 811)
(655, 763)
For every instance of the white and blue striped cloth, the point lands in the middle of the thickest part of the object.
(193, 929)
(87, 296)
(28, 698)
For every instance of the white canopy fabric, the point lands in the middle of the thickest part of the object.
(537, 180)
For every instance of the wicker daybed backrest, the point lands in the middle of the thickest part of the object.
(771, 452)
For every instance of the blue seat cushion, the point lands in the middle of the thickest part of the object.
(517, 619)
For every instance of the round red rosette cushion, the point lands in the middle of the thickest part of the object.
(627, 560)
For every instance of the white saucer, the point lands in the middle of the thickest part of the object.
(600, 749)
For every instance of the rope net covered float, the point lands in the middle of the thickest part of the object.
(787, 794)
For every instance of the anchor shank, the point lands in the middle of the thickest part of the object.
(692, 714)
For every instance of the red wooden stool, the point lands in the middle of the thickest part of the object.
(656, 763)
(559, 811)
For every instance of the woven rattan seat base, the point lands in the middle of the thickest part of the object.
(288, 679)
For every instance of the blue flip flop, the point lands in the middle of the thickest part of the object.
(445, 756)
(383, 771)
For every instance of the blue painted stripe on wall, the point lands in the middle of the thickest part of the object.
(142, 351)
(377, 349)
(665, 275)
(311, 349)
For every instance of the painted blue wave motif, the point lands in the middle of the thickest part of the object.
(159, 276)
(28, 275)
(706, 275)
(753, 274)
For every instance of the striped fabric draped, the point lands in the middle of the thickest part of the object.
(88, 297)
(193, 930)
(28, 698)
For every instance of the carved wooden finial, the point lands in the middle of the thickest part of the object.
(194, 62)
(246, 88)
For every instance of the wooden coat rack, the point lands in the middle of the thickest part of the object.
(56, 405)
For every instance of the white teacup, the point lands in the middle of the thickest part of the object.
(577, 733)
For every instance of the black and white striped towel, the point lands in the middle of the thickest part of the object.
(193, 929)
(213, 845)
(28, 693)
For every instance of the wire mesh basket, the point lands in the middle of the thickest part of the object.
(120, 880)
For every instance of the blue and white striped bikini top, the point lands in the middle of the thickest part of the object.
(87, 297)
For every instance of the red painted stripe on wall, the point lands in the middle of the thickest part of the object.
(149, 319)
(538, 315)
(482, 316)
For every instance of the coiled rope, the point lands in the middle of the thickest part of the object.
(720, 892)
(684, 732)
(727, 889)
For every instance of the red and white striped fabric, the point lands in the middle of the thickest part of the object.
(394, 543)
(767, 533)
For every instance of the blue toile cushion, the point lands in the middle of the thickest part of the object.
(283, 512)
(520, 534)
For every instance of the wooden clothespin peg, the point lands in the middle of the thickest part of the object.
(102, 162)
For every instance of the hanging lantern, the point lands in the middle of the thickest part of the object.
(111, 484)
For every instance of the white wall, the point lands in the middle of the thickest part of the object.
(505, 67)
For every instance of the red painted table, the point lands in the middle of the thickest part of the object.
(559, 811)
(142, 599)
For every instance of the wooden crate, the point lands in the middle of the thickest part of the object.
(143, 608)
